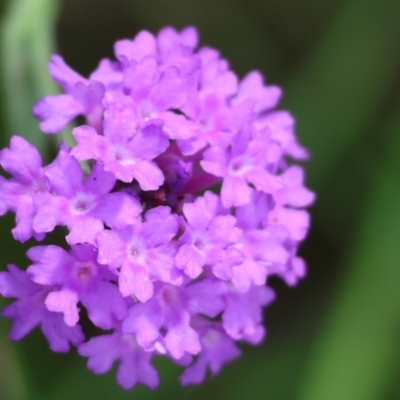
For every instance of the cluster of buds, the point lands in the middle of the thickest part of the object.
(178, 201)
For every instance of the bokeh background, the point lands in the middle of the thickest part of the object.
(336, 336)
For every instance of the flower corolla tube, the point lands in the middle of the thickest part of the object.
(178, 201)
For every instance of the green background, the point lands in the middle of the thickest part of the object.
(336, 336)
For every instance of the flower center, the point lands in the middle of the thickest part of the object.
(239, 165)
(121, 155)
(37, 186)
(117, 156)
(133, 252)
(199, 244)
(85, 271)
(236, 165)
(82, 205)
(169, 297)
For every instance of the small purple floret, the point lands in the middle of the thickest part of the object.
(83, 206)
(29, 311)
(23, 162)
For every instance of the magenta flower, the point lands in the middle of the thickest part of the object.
(77, 276)
(125, 149)
(245, 162)
(164, 321)
(207, 236)
(142, 253)
(82, 206)
(218, 348)
(24, 163)
(135, 365)
(181, 199)
(82, 97)
(29, 311)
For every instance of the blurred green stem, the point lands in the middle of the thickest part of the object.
(27, 41)
(358, 347)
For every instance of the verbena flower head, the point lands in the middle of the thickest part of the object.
(188, 202)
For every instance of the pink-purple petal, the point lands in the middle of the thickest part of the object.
(190, 260)
(147, 174)
(90, 144)
(235, 192)
(56, 112)
(64, 301)
(104, 304)
(59, 335)
(118, 210)
(135, 280)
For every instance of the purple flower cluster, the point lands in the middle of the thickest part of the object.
(179, 202)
